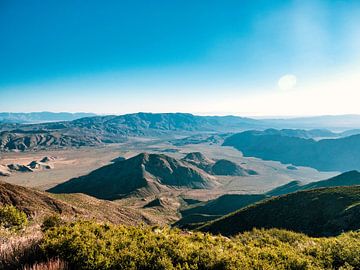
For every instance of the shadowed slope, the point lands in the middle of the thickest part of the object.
(319, 212)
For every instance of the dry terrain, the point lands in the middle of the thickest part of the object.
(72, 163)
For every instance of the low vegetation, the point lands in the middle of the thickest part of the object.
(12, 218)
(89, 245)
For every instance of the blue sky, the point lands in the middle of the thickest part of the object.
(205, 57)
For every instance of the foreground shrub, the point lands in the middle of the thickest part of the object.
(51, 222)
(87, 245)
(12, 218)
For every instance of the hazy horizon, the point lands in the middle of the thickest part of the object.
(196, 114)
(245, 58)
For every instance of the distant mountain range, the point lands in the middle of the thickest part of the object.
(341, 154)
(333, 122)
(97, 130)
(318, 212)
(111, 128)
(40, 117)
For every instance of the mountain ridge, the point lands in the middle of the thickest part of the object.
(144, 174)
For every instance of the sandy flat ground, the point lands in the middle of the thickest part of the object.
(76, 162)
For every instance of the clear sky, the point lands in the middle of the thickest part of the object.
(255, 57)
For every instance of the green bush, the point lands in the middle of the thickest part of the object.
(12, 218)
(87, 245)
(51, 222)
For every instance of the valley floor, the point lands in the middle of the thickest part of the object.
(72, 163)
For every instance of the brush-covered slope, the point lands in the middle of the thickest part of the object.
(38, 204)
(341, 154)
(144, 174)
(318, 212)
(210, 210)
(33, 202)
(350, 178)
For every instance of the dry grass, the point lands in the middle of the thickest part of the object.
(55, 264)
(22, 251)
(18, 250)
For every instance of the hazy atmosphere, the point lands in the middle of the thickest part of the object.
(254, 58)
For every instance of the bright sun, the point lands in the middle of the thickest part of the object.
(287, 82)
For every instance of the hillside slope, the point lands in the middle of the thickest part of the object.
(144, 174)
(33, 202)
(37, 204)
(319, 212)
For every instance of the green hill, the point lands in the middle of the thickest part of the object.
(318, 212)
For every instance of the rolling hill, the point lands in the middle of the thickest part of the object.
(318, 212)
(342, 154)
(144, 174)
